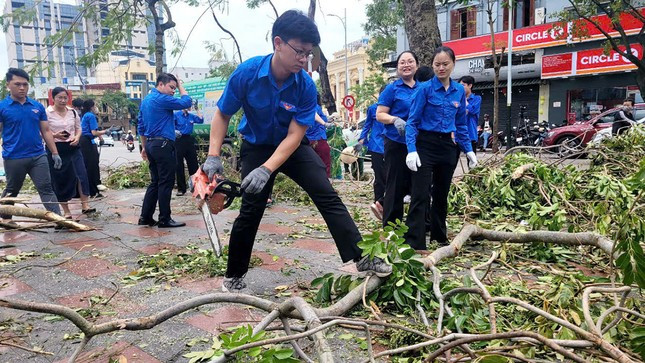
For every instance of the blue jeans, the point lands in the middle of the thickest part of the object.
(485, 136)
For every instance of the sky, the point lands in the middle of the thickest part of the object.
(251, 28)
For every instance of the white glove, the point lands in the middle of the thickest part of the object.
(413, 161)
(472, 159)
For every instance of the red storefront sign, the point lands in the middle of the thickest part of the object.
(540, 36)
(587, 62)
(557, 65)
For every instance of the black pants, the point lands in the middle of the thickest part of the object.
(619, 127)
(397, 181)
(474, 145)
(91, 158)
(439, 156)
(162, 162)
(185, 148)
(378, 165)
(307, 170)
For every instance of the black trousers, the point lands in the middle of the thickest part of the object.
(91, 158)
(308, 171)
(162, 163)
(378, 165)
(397, 181)
(185, 149)
(439, 156)
(619, 127)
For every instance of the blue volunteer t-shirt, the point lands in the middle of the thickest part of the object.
(88, 124)
(184, 123)
(156, 117)
(398, 97)
(268, 109)
(21, 128)
(472, 115)
(373, 131)
(317, 131)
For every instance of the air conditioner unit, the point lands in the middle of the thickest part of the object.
(540, 15)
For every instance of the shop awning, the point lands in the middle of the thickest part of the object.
(502, 84)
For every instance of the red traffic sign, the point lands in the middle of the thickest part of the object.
(349, 102)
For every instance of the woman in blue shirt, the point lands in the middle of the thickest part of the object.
(435, 131)
(90, 130)
(393, 107)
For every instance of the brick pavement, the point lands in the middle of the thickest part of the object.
(98, 260)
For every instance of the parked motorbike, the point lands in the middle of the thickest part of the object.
(130, 145)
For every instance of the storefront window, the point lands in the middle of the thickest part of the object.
(587, 103)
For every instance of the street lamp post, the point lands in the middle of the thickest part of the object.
(344, 22)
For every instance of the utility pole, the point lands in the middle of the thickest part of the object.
(509, 77)
(344, 22)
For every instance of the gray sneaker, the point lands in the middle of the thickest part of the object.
(233, 284)
(376, 266)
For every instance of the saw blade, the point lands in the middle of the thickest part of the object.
(211, 229)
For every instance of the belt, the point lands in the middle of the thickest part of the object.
(438, 134)
(160, 138)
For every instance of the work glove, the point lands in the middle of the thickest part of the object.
(358, 148)
(329, 125)
(472, 159)
(212, 166)
(400, 126)
(58, 162)
(256, 180)
(177, 134)
(412, 161)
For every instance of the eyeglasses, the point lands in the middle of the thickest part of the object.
(300, 54)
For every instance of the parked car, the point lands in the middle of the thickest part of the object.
(107, 140)
(579, 134)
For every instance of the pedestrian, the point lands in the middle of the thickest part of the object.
(624, 118)
(423, 74)
(273, 141)
(437, 113)
(393, 107)
(185, 146)
(317, 136)
(156, 128)
(23, 126)
(486, 131)
(65, 125)
(473, 104)
(77, 104)
(89, 149)
(372, 136)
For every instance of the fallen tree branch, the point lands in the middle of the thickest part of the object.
(43, 214)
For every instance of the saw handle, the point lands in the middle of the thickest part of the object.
(228, 188)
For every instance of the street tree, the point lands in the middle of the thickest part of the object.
(366, 94)
(383, 18)
(421, 28)
(584, 14)
(123, 109)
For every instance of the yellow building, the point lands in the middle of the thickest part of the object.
(358, 70)
(130, 70)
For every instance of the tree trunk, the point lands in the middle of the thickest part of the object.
(421, 28)
(495, 144)
(160, 29)
(327, 97)
(159, 50)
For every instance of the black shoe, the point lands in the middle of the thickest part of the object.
(147, 222)
(180, 193)
(170, 224)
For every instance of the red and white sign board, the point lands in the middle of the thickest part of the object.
(541, 36)
(587, 62)
(349, 102)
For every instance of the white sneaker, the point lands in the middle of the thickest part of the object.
(101, 187)
(407, 199)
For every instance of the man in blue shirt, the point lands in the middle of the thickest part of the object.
(473, 104)
(156, 128)
(317, 136)
(279, 102)
(185, 146)
(372, 135)
(24, 126)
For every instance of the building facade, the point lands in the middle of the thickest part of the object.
(190, 74)
(554, 75)
(26, 43)
(358, 70)
(131, 70)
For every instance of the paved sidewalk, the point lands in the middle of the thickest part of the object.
(293, 243)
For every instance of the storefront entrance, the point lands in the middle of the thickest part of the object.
(584, 104)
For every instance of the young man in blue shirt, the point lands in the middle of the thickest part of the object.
(24, 126)
(279, 102)
(156, 128)
(473, 105)
(185, 146)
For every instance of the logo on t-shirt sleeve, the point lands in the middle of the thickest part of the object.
(456, 104)
(35, 111)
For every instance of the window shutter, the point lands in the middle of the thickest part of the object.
(455, 25)
(532, 14)
(471, 27)
(505, 27)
